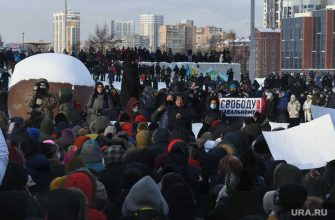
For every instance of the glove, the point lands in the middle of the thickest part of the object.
(35, 89)
(39, 101)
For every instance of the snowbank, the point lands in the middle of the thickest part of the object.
(58, 68)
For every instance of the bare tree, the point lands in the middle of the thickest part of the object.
(231, 35)
(101, 38)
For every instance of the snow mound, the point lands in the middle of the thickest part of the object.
(57, 68)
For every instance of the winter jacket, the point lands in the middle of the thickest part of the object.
(129, 108)
(187, 114)
(143, 195)
(293, 109)
(283, 101)
(99, 105)
(3, 156)
(130, 85)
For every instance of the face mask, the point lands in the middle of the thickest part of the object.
(212, 106)
(136, 109)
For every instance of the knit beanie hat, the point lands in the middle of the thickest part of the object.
(57, 182)
(83, 132)
(15, 177)
(82, 181)
(99, 125)
(110, 130)
(80, 141)
(34, 133)
(75, 130)
(113, 154)
(268, 201)
(291, 196)
(74, 163)
(176, 145)
(169, 179)
(142, 126)
(140, 118)
(181, 201)
(142, 139)
(67, 138)
(49, 148)
(18, 135)
(91, 152)
(286, 174)
(127, 127)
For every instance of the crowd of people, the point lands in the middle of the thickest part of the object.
(78, 164)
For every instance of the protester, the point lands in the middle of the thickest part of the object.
(130, 86)
(293, 109)
(41, 102)
(100, 103)
(130, 169)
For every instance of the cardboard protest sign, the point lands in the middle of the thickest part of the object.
(305, 146)
(241, 107)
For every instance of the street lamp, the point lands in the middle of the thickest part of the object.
(23, 41)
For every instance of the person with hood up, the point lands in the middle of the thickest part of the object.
(145, 198)
(307, 108)
(160, 139)
(213, 109)
(133, 108)
(85, 182)
(41, 101)
(293, 109)
(147, 101)
(99, 104)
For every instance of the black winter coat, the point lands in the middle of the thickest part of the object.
(187, 114)
(130, 86)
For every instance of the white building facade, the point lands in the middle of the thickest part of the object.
(125, 31)
(149, 27)
(275, 10)
(72, 32)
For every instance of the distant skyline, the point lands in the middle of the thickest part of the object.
(34, 17)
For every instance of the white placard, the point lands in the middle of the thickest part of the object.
(307, 146)
(318, 111)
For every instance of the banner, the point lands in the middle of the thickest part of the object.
(305, 146)
(215, 70)
(241, 107)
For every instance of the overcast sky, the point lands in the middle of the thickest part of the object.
(34, 17)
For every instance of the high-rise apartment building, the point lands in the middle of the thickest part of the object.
(272, 13)
(207, 36)
(275, 10)
(149, 27)
(72, 32)
(308, 41)
(125, 31)
(187, 21)
(180, 37)
(267, 51)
